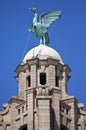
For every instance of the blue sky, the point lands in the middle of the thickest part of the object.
(67, 36)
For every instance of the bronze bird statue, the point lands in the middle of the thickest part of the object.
(41, 25)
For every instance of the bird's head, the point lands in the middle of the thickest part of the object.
(34, 10)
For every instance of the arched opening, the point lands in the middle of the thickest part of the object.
(24, 127)
(63, 127)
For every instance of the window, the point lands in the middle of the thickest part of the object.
(42, 78)
(67, 111)
(18, 111)
(57, 81)
(26, 107)
(24, 127)
(29, 69)
(29, 81)
(63, 127)
(22, 109)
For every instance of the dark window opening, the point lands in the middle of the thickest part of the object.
(29, 69)
(18, 111)
(26, 107)
(57, 81)
(64, 127)
(67, 111)
(22, 109)
(28, 81)
(42, 78)
(24, 127)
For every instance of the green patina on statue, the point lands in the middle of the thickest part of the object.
(41, 26)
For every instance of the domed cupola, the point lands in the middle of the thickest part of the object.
(42, 52)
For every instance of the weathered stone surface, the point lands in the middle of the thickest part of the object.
(43, 107)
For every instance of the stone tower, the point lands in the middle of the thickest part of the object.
(42, 102)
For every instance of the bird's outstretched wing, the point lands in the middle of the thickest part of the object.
(48, 18)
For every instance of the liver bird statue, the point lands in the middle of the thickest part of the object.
(40, 26)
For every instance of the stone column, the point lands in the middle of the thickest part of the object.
(56, 108)
(33, 65)
(51, 76)
(13, 114)
(64, 84)
(30, 103)
(22, 85)
(72, 125)
(64, 80)
(33, 76)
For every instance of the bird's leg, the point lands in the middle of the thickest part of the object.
(41, 41)
(44, 40)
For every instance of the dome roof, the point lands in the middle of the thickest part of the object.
(42, 52)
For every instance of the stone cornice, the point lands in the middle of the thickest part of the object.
(66, 69)
(29, 90)
(33, 61)
(15, 99)
(69, 99)
(52, 61)
(43, 63)
(55, 90)
(21, 68)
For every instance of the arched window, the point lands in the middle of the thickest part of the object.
(24, 127)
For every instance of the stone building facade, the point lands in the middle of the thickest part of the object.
(42, 102)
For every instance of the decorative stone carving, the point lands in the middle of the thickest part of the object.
(65, 116)
(42, 91)
(5, 109)
(81, 106)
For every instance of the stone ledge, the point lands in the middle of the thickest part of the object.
(30, 90)
(55, 90)
(15, 99)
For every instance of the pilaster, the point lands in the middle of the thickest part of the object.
(56, 107)
(71, 101)
(51, 75)
(30, 103)
(22, 85)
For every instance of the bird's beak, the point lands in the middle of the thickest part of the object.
(31, 29)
